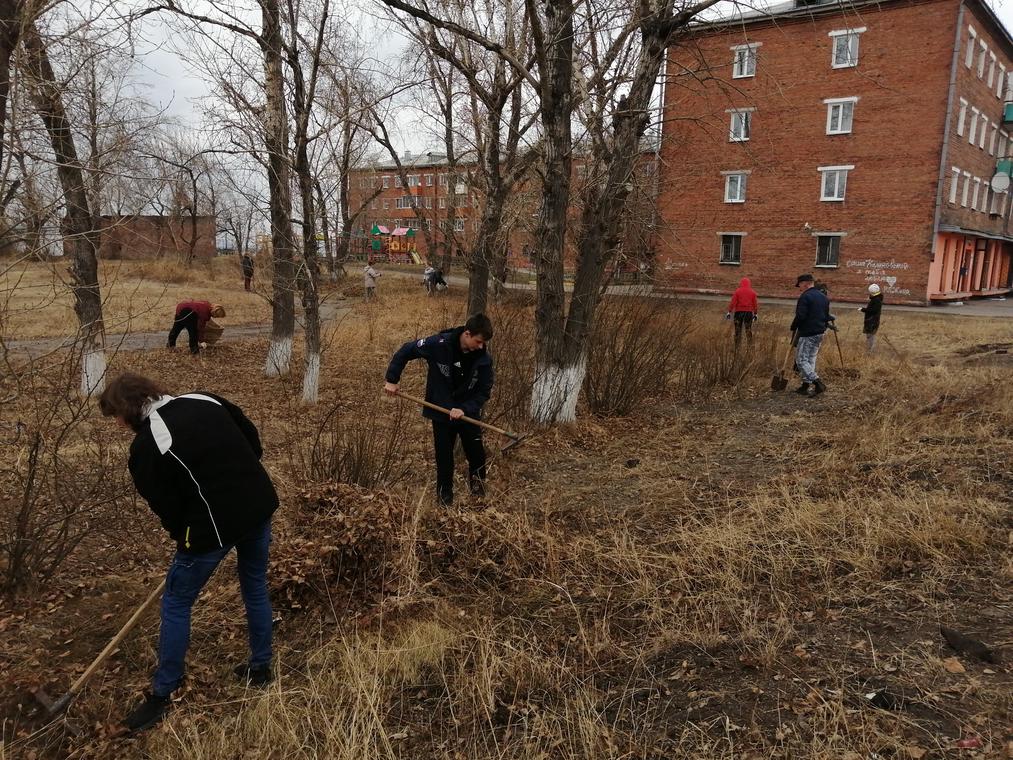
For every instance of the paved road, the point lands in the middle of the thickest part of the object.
(987, 307)
(141, 341)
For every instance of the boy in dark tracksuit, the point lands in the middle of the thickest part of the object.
(812, 320)
(460, 378)
(872, 311)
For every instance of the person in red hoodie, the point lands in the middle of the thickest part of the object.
(745, 307)
(193, 316)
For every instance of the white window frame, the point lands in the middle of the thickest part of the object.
(974, 193)
(745, 119)
(962, 117)
(954, 182)
(721, 247)
(973, 127)
(984, 131)
(993, 202)
(386, 203)
(966, 189)
(443, 202)
(744, 60)
(397, 180)
(1000, 80)
(852, 49)
(1002, 206)
(741, 179)
(458, 224)
(840, 185)
(1003, 143)
(833, 103)
(991, 69)
(429, 180)
(443, 180)
(993, 138)
(972, 38)
(982, 55)
(386, 181)
(819, 236)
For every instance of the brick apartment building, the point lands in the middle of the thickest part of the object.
(447, 205)
(854, 140)
(147, 236)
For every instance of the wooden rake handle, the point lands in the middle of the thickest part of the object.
(116, 639)
(428, 405)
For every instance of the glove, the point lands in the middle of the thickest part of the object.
(728, 315)
(756, 317)
(832, 326)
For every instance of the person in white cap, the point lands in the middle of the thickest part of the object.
(872, 311)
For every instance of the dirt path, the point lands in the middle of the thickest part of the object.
(330, 308)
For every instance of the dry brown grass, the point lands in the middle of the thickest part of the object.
(137, 296)
(725, 573)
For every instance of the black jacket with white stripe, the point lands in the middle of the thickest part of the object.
(196, 461)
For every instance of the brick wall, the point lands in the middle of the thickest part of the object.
(886, 219)
(149, 237)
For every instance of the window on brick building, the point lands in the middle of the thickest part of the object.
(845, 47)
(443, 202)
(429, 202)
(386, 203)
(972, 37)
(975, 192)
(840, 114)
(954, 182)
(828, 250)
(1000, 81)
(740, 126)
(744, 61)
(731, 248)
(458, 225)
(429, 224)
(443, 180)
(992, 140)
(386, 182)
(834, 182)
(973, 129)
(962, 117)
(982, 56)
(429, 180)
(966, 189)
(374, 204)
(984, 132)
(735, 187)
(991, 69)
(397, 180)
(1001, 147)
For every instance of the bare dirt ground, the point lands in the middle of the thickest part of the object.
(725, 572)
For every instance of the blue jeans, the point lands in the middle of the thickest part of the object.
(187, 576)
(805, 357)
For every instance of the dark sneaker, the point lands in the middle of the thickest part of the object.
(147, 714)
(445, 499)
(803, 390)
(477, 486)
(259, 676)
(820, 387)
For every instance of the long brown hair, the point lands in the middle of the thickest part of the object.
(127, 395)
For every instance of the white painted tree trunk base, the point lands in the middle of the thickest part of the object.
(311, 380)
(555, 392)
(279, 356)
(93, 372)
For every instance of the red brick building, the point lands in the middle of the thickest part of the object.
(855, 141)
(146, 236)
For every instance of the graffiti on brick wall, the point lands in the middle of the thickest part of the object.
(882, 272)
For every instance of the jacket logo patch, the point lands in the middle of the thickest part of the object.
(444, 369)
(422, 342)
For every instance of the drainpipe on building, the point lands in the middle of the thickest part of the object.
(946, 135)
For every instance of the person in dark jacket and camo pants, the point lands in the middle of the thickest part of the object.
(196, 460)
(872, 311)
(812, 320)
(460, 379)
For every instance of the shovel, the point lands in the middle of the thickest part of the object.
(840, 355)
(54, 707)
(514, 438)
(779, 382)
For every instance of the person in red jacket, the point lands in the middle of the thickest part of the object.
(745, 308)
(193, 316)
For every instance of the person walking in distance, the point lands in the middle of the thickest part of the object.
(460, 378)
(812, 320)
(193, 316)
(369, 276)
(872, 312)
(744, 308)
(247, 263)
(195, 459)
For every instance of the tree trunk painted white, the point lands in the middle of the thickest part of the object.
(555, 392)
(93, 371)
(279, 356)
(311, 380)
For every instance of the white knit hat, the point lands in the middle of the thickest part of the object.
(874, 289)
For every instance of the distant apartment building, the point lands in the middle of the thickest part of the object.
(147, 236)
(445, 203)
(862, 141)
